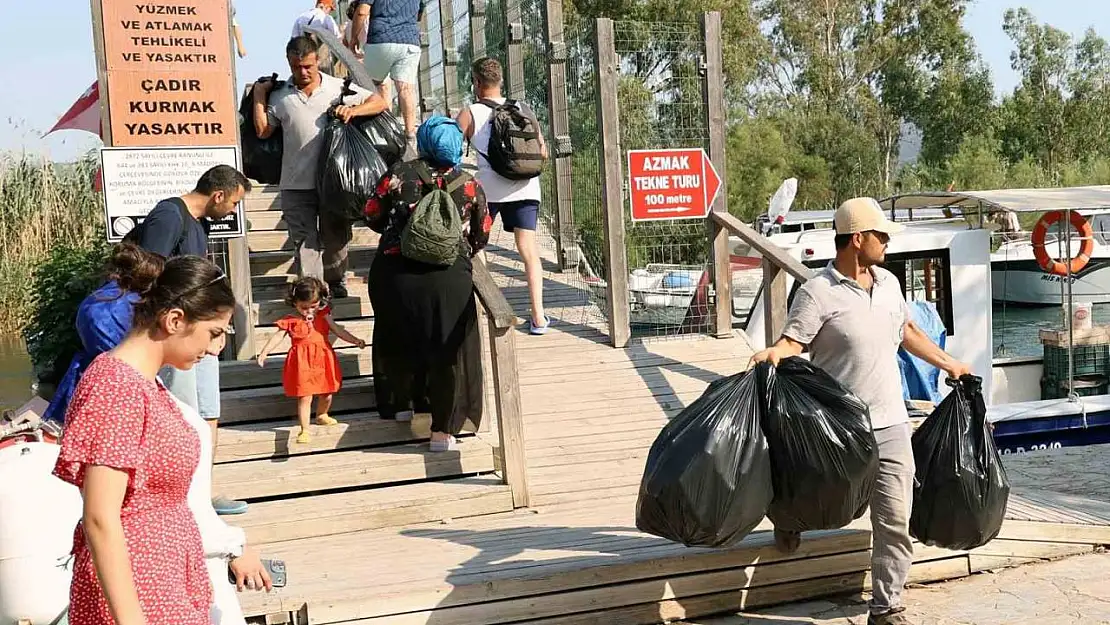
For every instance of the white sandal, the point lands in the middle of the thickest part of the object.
(451, 444)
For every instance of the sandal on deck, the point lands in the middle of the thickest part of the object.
(536, 330)
(451, 444)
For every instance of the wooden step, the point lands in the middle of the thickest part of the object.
(246, 374)
(274, 438)
(268, 403)
(345, 469)
(262, 198)
(270, 522)
(259, 221)
(273, 240)
(279, 263)
(267, 312)
(266, 288)
(361, 328)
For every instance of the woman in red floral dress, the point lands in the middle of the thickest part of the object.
(138, 557)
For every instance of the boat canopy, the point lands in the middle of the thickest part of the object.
(1085, 199)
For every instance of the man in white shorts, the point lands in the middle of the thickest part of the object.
(392, 51)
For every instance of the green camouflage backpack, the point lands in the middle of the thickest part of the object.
(434, 230)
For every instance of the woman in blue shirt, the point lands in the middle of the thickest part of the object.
(104, 317)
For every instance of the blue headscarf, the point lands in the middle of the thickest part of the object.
(439, 140)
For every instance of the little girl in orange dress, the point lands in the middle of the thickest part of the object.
(311, 367)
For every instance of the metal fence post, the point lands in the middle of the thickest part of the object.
(476, 14)
(514, 48)
(714, 93)
(566, 235)
(612, 183)
(451, 95)
(427, 107)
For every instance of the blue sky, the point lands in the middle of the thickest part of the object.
(50, 56)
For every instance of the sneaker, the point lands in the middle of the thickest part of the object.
(536, 330)
(450, 444)
(223, 505)
(891, 617)
(787, 541)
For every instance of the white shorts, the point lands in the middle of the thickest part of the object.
(400, 61)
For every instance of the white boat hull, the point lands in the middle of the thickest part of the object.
(1023, 282)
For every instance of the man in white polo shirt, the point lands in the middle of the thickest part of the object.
(853, 317)
(300, 108)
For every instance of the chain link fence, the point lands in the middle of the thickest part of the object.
(662, 105)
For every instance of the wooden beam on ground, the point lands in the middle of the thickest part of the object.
(612, 181)
(714, 95)
(764, 246)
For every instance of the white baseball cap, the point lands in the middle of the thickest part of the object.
(863, 214)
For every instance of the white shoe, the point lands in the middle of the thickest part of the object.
(403, 416)
(451, 444)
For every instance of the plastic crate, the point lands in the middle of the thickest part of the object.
(1087, 360)
(1052, 388)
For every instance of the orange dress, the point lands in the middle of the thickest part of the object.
(311, 367)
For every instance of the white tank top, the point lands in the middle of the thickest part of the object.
(497, 188)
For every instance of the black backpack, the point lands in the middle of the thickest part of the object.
(135, 235)
(514, 150)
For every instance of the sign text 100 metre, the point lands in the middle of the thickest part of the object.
(671, 184)
(168, 73)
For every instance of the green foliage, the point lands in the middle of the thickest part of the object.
(58, 284)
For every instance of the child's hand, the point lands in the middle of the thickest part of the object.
(361, 344)
(262, 360)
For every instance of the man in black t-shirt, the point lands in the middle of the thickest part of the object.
(178, 226)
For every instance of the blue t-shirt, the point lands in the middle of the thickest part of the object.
(162, 230)
(393, 21)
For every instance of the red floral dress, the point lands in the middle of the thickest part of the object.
(311, 366)
(122, 420)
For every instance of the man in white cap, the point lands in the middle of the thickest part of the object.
(853, 317)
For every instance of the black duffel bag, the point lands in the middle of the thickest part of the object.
(824, 457)
(961, 489)
(261, 157)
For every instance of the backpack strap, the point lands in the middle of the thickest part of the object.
(183, 212)
(490, 103)
(458, 182)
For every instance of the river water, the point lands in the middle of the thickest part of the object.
(15, 372)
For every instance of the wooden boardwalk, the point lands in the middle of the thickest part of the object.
(575, 557)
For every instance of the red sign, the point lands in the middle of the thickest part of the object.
(671, 184)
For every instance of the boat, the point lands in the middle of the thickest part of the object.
(1016, 278)
(947, 260)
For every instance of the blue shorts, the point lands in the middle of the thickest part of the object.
(523, 214)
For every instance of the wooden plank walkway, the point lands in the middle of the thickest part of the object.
(576, 557)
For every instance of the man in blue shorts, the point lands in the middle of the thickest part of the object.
(517, 201)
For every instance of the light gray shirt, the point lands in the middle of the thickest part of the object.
(854, 335)
(302, 118)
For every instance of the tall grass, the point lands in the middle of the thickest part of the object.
(43, 206)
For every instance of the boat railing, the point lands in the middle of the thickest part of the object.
(501, 323)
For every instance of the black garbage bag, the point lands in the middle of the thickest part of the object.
(261, 157)
(961, 489)
(707, 482)
(824, 456)
(386, 133)
(349, 170)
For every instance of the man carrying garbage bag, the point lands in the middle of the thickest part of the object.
(300, 109)
(853, 317)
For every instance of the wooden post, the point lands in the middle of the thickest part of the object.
(451, 95)
(612, 183)
(774, 301)
(514, 40)
(714, 94)
(239, 269)
(476, 14)
(510, 416)
(566, 236)
(101, 71)
(425, 71)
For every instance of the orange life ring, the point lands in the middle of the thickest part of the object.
(1086, 248)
